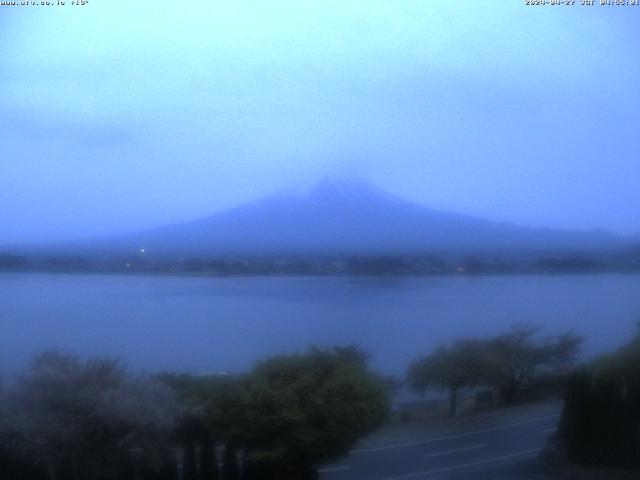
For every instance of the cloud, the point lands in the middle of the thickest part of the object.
(467, 106)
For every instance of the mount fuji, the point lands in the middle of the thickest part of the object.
(336, 217)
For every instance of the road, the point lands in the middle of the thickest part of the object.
(503, 444)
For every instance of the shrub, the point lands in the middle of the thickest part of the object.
(305, 410)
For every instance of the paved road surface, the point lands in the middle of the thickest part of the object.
(498, 446)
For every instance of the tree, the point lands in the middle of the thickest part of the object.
(230, 467)
(208, 461)
(81, 419)
(506, 362)
(600, 423)
(307, 409)
(216, 414)
(189, 461)
(452, 367)
(511, 359)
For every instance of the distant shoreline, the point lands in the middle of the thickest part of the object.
(347, 266)
(186, 274)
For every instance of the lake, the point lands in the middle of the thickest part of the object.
(204, 324)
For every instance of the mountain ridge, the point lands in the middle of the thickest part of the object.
(342, 217)
(337, 216)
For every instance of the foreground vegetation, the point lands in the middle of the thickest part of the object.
(72, 419)
(600, 424)
(506, 364)
(68, 419)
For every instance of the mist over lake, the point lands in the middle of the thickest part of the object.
(225, 324)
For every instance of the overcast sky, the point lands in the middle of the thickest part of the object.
(126, 114)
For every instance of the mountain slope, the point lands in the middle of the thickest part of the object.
(347, 217)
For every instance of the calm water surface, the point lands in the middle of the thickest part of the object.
(224, 324)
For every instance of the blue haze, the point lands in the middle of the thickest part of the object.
(122, 115)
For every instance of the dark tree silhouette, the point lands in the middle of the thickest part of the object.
(208, 462)
(600, 423)
(189, 461)
(230, 468)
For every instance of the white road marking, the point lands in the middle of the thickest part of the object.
(463, 465)
(334, 469)
(447, 452)
(459, 435)
(549, 430)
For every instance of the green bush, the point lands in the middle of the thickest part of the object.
(305, 410)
